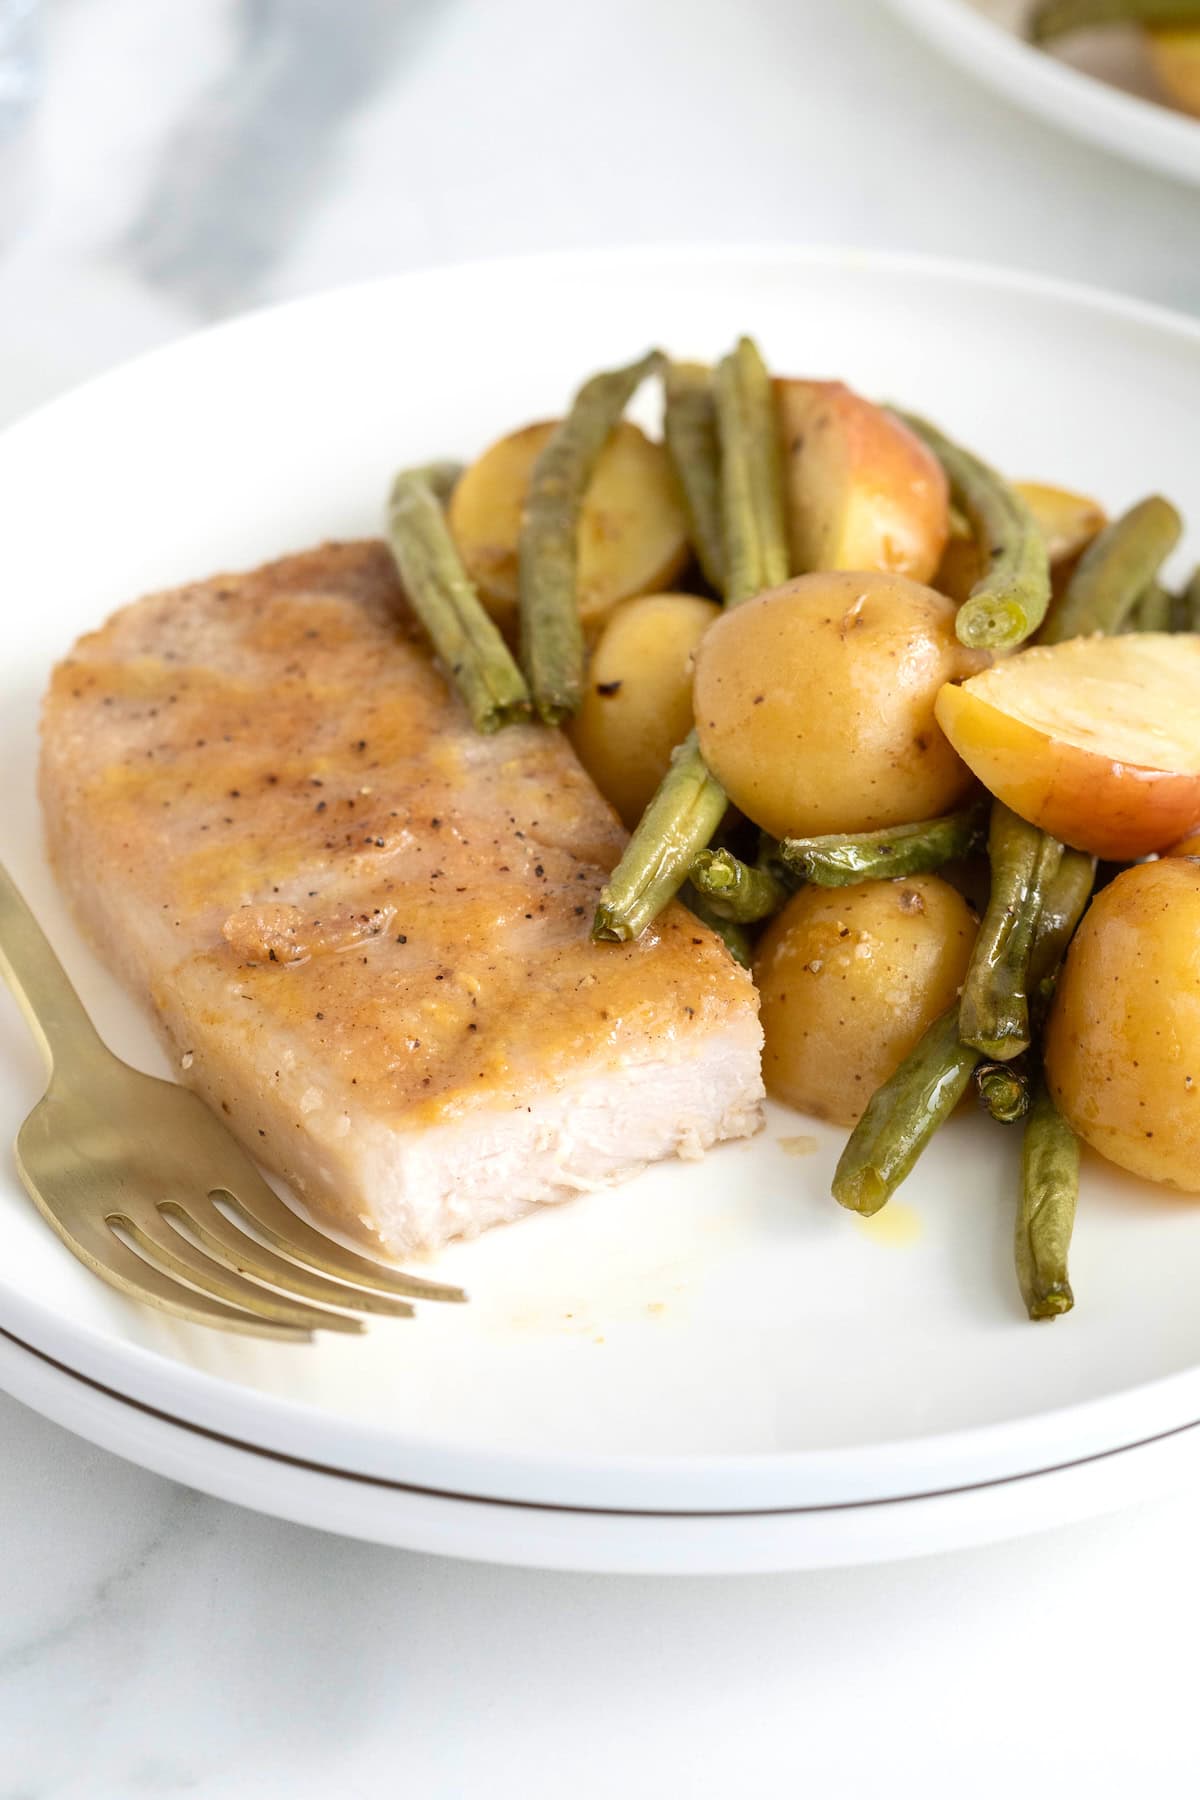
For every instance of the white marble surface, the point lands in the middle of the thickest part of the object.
(191, 158)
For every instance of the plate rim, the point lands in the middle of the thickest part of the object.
(541, 1535)
(1154, 136)
(148, 1373)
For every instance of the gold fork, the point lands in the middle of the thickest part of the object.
(139, 1180)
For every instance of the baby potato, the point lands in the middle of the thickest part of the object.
(1122, 1044)
(849, 980)
(862, 491)
(633, 533)
(637, 704)
(814, 704)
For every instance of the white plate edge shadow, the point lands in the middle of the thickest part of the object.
(281, 1425)
(1125, 125)
(529, 1535)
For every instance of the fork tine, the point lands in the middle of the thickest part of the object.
(224, 1240)
(122, 1268)
(167, 1246)
(266, 1212)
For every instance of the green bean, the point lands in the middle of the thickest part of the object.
(994, 1013)
(690, 431)
(443, 597)
(1056, 18)
(679, 821)
(1003, 1090)
(734, 936)
(1153, 610)
(689, 805)
(552, 647)
(1009, 601)
(1063, 905)
(1046, 1210)
(753, 518)
(1191, 603)
(875, 855)
(1114, 571)
(903, 1115)
(741, 892)
(442, 478)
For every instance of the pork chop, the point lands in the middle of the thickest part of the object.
(362, 927)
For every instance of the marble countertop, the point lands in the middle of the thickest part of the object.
(190, 159)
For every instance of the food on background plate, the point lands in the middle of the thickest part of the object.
(363, 927)
(396, 934)
(1172, 31)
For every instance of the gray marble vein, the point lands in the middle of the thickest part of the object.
(241, 169)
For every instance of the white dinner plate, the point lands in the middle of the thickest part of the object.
(708, 1338)
(601, 1542)
(1097, 84)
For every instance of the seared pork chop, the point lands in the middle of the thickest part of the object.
(363, 928)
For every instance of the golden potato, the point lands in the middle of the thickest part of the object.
(1175, 53)
(637, 704)
(633, 535)
(814, 704)
(1097, 739)
(862, 491)
(849, 980)
(1123, 1039)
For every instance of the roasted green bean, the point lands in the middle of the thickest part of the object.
(1009, 601)
(693, 443)
(1056, 18)
(1153, 610)
(903, 1115)
(734, 936)
(1114, 571)
(689, 805)
(1003, 1090)
(994, 1014)
(753, 520)
(907, 1110)
(876, 855)
(442, 595)
(679, 822)
(1046, 1208)
(738, 891)
(552, 647)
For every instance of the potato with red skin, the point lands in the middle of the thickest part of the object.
(1095, 740)
(814, 704)
(862, 491)
(849, 980)
(1122, 1046)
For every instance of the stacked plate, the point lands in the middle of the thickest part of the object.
(711, 1367)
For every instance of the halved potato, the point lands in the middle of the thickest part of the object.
(1175, 53)
(1068, 521)
(633, 535)
(1097, 740)
(862, 491)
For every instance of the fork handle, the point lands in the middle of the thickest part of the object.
(52, 1007)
